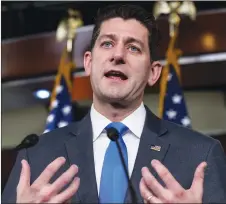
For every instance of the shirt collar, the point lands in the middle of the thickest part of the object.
(135, 121)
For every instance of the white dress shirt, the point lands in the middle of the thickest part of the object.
(135, 123)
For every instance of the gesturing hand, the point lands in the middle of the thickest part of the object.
(153, 192)
(41, 191)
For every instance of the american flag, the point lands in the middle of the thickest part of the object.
(60, 113)
(174, 108)
(172, 102)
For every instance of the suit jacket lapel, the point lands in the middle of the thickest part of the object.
(151, 137)
(80, 152)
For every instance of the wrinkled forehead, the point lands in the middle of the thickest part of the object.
(130, 28)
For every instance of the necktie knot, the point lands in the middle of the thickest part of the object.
(120, 127)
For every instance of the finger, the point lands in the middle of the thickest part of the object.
(64, 179)
(146, 194)
(68, 193)
(197, 183)
(25, 175)
(50, 190)
(153, 184)
(44, 194)
(167, 177)
(48, 172)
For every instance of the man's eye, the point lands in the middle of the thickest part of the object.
(134, 48)
(106, 44)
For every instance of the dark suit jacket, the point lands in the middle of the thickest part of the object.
(181, 151)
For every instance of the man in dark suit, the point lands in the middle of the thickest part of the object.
(165, 161)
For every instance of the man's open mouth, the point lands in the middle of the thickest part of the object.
(116, 75)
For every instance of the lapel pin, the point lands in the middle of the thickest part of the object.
(156, 148)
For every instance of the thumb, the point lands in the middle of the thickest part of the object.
(197, 183)
(25, 174)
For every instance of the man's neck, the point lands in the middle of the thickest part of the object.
(115, 112)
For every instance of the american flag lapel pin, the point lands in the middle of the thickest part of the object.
(156, 148)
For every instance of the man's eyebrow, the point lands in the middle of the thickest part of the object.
(132, 40)
(128, 39)
(111, 36)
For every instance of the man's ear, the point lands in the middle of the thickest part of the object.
(87, 62)
(155, 72)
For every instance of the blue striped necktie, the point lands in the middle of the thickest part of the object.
(113, 183)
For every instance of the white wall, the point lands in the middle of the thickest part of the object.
(19, 123)
(207, 111)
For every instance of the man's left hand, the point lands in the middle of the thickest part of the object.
(153, 192)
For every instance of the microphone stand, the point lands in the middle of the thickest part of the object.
(132, 192)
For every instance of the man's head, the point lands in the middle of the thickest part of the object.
(123, 50)
(129, 12)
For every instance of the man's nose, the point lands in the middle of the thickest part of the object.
(118, 56)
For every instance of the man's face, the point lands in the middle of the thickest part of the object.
(119, 64)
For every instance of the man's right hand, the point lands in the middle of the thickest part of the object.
(41, 191)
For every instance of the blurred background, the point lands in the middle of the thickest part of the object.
(31, 58)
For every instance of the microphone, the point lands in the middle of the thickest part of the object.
(113, 135)
(28, 141)
(9, 155)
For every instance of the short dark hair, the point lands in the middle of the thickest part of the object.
(126, 12)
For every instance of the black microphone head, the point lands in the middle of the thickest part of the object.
(28, 141)
(112, 134)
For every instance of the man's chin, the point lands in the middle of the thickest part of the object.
(114, 98)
